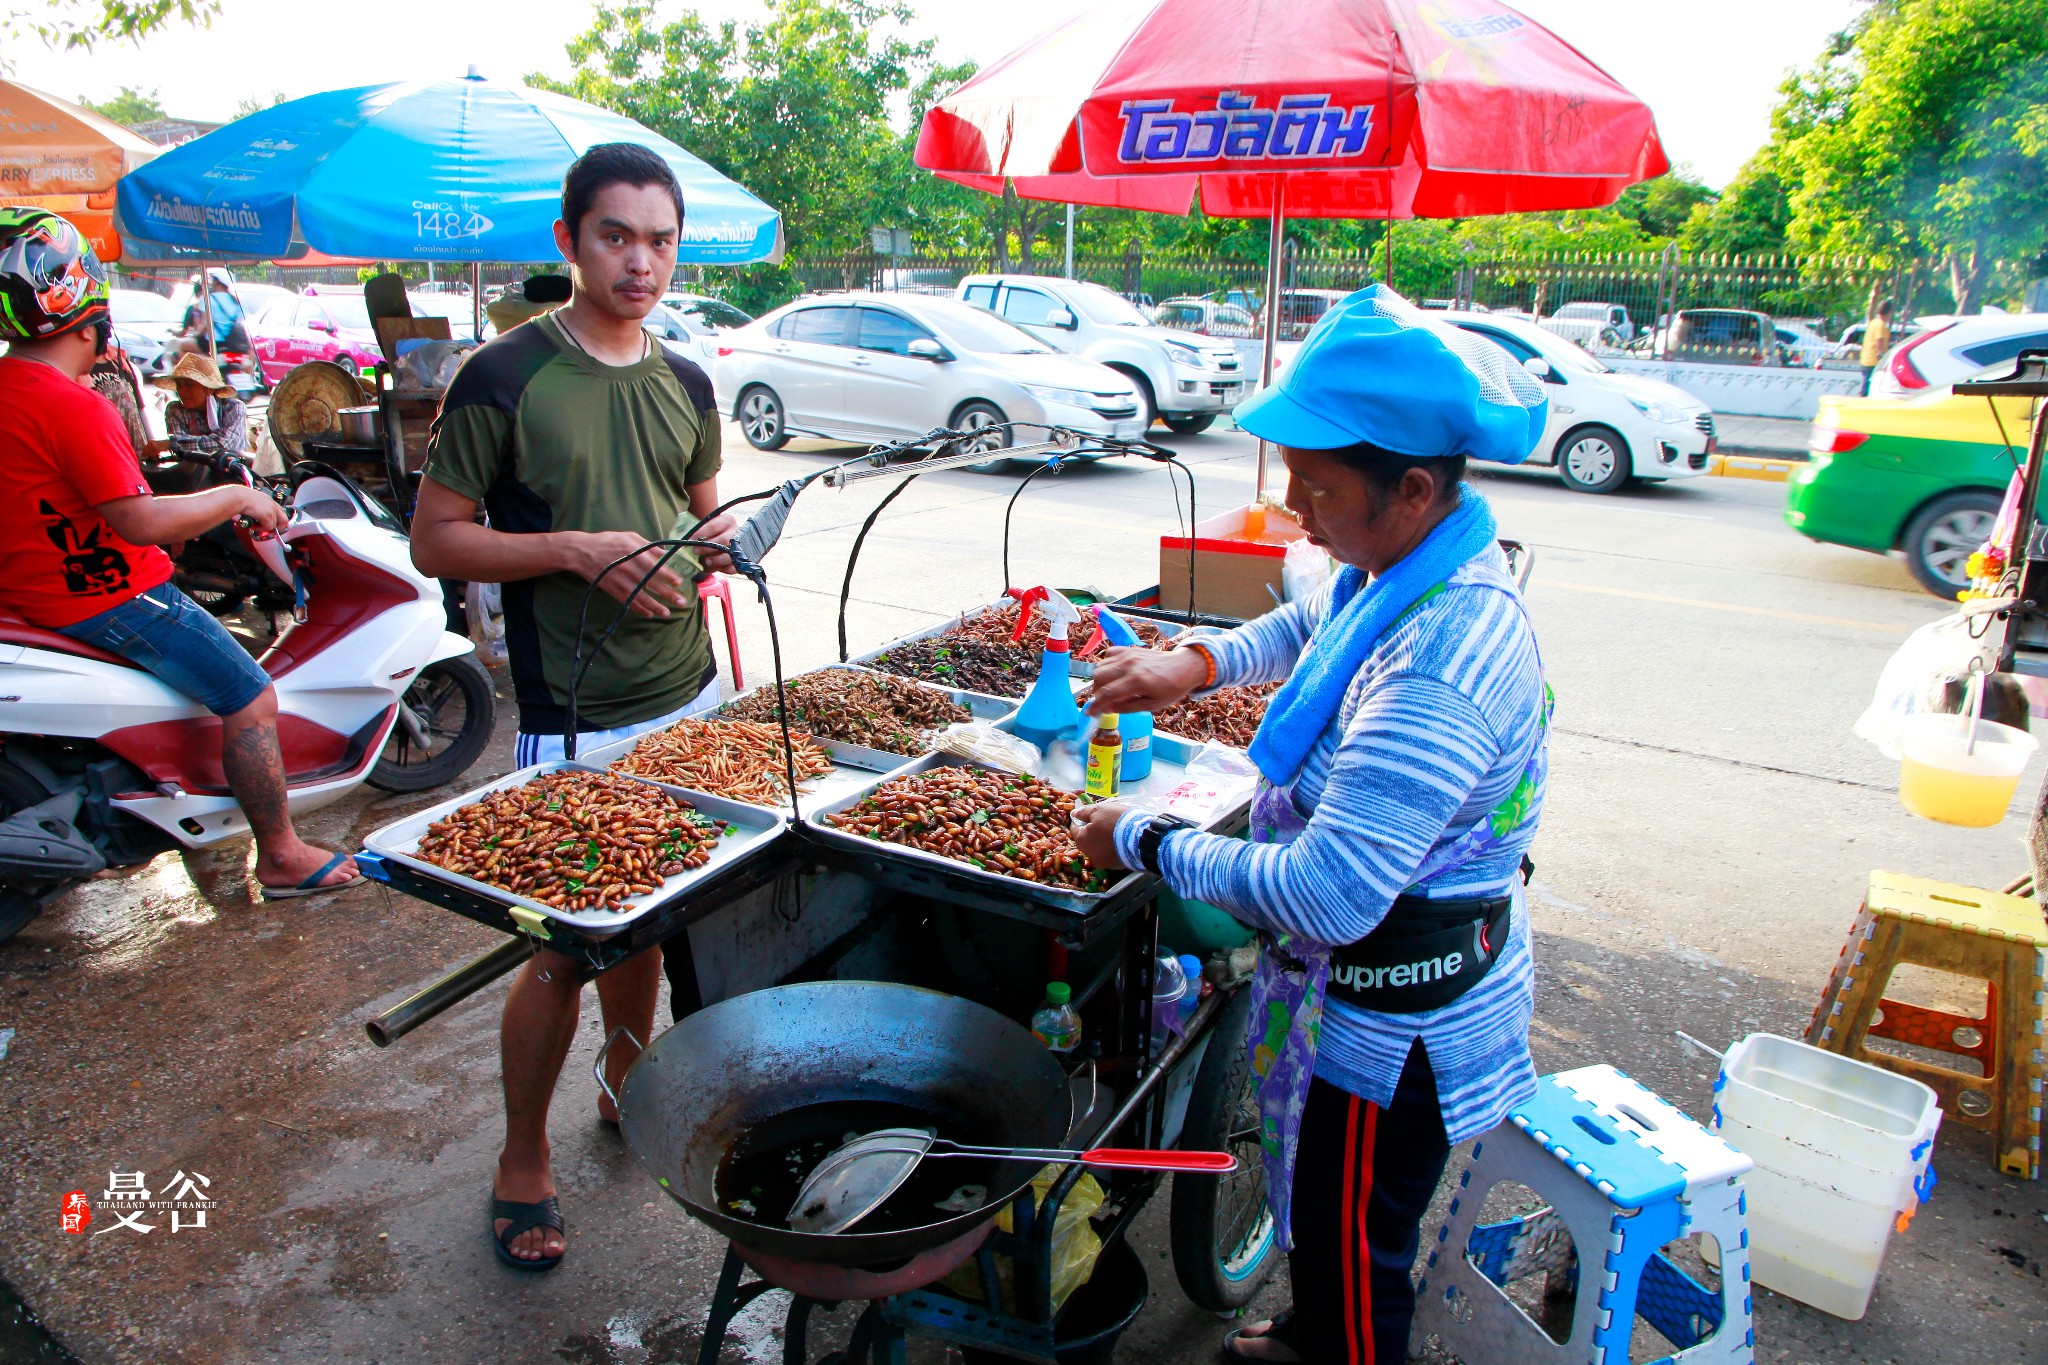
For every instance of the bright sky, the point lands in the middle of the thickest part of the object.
(1709, 68)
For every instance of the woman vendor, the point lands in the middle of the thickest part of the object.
(1402, 768)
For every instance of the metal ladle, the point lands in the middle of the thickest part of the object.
(858, 1178)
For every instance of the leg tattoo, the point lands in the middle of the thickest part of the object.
(255, 771)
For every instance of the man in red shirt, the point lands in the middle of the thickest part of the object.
(78, 548)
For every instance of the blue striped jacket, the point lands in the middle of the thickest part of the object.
(1437, 728)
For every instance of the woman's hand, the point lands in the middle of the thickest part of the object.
(1135, 679)
(1094, 831)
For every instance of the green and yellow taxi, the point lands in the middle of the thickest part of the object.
(1923, 476)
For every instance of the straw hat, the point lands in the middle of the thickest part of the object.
(198, 368)
(535, 295)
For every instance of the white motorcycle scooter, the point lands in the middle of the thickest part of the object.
(101, 764)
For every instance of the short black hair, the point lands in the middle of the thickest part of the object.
(1383, 468)
(1884, 310)
(608, 164)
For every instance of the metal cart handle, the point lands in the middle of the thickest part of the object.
(597, 1067)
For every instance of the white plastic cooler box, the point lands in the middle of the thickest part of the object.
(1843, 1154)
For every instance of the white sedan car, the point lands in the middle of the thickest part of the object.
(1948, 349)
(1604, 428)
(863, 367)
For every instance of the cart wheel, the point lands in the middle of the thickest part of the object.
(1222, 1231)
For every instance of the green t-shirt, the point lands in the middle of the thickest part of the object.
(548, 439)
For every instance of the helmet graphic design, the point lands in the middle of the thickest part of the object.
(50, 280)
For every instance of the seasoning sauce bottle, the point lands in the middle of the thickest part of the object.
(1105, 756)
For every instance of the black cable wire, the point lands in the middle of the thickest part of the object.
(578, 665)
(1011, 506)
(853, 556)
(759, 578)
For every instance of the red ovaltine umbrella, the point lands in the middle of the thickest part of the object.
(1308, 108)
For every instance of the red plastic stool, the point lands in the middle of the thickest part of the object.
(713, 585)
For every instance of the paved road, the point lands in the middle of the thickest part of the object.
(1710, 825)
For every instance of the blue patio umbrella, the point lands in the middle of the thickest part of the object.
(458, 170)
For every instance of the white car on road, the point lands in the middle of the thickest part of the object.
(1185, 379)
(1604, 428)
(862, 366)
(694, 325)
(1956, 348)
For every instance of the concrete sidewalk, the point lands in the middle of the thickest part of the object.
(1770, 437)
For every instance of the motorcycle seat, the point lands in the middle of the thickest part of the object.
(15, 631)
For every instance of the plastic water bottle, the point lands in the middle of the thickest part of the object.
(1191, 968)
(1056, 1024)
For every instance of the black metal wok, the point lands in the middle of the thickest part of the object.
(726, 1071)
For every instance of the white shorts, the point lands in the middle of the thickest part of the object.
(528, 750)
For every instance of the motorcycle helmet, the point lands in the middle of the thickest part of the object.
(50, 280)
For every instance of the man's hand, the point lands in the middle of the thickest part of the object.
(665, 593)
(720, 528)
(156, 447)
(1094, 831)
(263, 510)
(1134, 679)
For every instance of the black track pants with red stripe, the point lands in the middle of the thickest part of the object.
(1363, 1177)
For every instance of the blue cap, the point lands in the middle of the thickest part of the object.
(1375, 368)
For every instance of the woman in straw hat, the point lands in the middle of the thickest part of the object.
(206, 408)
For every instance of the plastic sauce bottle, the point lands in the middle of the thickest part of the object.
(1105, 756)
(1137, 725)
(1056, 1025)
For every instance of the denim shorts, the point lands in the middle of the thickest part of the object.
(173, 637)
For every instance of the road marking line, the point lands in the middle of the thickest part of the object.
(1735, 607)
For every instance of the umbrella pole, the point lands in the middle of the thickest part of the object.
(1275, 247)
(206, 297)
(476, 299)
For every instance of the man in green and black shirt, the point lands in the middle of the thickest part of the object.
(584, 440)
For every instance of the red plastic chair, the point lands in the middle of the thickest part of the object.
(714, 586)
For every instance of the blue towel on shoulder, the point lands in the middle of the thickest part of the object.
(1361, 611)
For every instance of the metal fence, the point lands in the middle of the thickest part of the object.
(1829, 293)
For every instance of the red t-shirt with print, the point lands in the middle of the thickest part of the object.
(63, 451)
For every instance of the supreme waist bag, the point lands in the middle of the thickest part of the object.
(1423, 955)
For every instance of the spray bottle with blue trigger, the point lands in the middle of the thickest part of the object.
(1048, 714)
(1137, 725)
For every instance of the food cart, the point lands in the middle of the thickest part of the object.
(969, 942)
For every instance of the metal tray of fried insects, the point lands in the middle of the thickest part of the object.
(749, 830)
(1076, 667)
(853, 765)
(934, 874)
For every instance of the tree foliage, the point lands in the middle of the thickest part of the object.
(128, 106)
(1919, 134)
(793, 105)
(81, 25)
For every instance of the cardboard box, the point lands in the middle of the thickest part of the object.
(1233, 576)
(391, 331)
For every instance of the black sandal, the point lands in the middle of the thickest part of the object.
(526, 1217)
(1278, 1331)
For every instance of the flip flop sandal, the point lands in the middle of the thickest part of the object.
(1277, 1332)
(546, 1213)
(311, 886)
